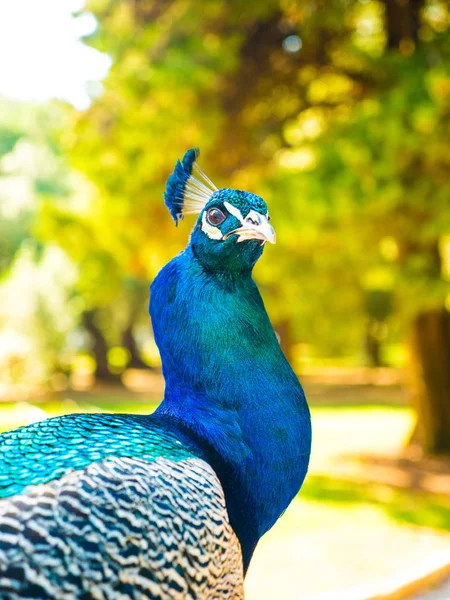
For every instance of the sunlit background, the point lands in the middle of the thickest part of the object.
(338, 114)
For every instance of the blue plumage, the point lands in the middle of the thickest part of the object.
(78, 441)
(169, 505)
(228, 380)
(174, 196)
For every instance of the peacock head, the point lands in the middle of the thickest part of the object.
(232, 227)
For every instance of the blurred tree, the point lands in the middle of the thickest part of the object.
(241, 82)
(111, 300)
(20, 142)
(389, 162)
(378, 308)
(337, 112)
(35, 281)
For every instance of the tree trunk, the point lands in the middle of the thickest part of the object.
(402, 21)
(99, 348)
(373, 344)
(430, 357)
(129, 343)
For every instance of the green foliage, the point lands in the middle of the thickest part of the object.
(31, 168)
(35, 319)
(405, 506)
(385, 170)
(345, 139)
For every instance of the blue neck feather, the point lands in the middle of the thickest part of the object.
(229, 383)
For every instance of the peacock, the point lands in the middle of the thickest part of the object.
(169, 505)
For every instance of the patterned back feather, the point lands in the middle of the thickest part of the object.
(110, 507)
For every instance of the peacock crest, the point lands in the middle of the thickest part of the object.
(188, 189)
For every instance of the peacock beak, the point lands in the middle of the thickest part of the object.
(255, 227)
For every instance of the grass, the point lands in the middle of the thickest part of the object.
(340, 532)
(402, 506)
(22, 413)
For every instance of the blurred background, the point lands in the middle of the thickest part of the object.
(337, 112)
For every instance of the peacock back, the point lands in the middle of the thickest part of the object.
(111, 506)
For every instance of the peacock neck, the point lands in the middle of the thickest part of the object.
(228, 381)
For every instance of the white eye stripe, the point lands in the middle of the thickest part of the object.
(253, 215)
(212, 232)
(234, 211)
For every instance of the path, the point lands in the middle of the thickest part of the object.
(442, 592)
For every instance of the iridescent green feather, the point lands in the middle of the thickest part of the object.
(44, 451)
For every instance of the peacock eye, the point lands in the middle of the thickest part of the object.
(215, 217)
